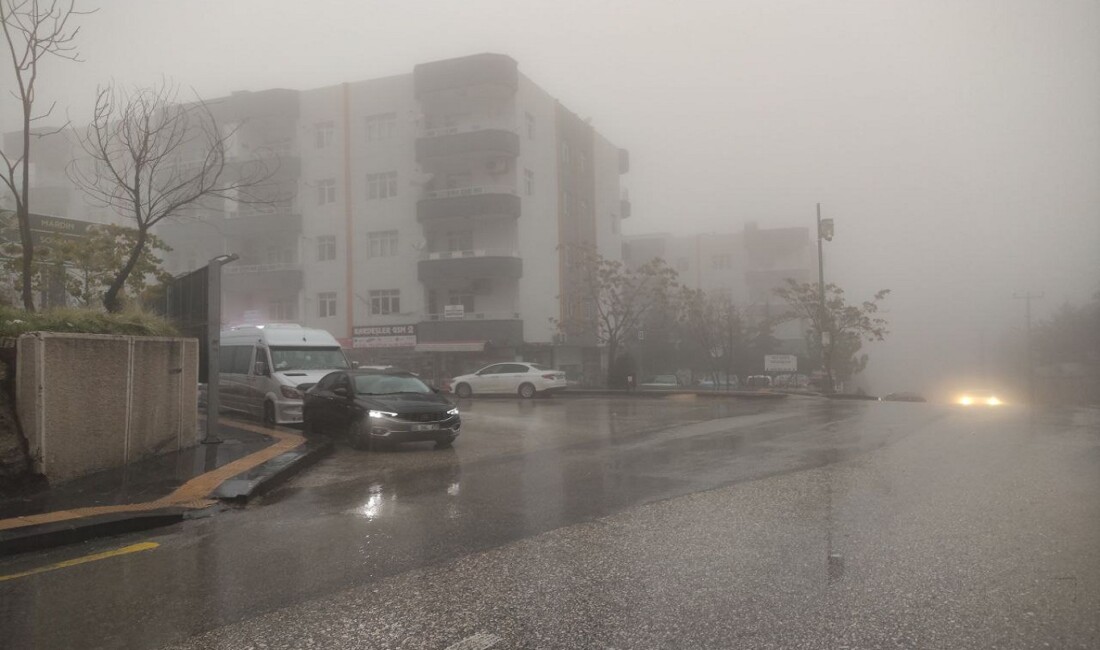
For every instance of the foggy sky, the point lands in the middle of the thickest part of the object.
(955, 142)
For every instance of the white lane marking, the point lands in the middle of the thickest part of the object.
(479, 641)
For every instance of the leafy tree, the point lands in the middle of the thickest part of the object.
(33, 30)
(153, 158)
(837, 328)
(612, 300)
(712, 331)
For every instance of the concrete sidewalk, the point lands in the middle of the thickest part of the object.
(157, 491)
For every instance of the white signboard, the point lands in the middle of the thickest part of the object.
(384, 336)
(780, 363)
(457, 312)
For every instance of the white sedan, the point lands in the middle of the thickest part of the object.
(524, 379)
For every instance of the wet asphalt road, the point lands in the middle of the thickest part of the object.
(627, 523)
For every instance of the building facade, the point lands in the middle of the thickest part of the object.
(745, 267)
(423, 219)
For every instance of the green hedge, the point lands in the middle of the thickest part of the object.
(14, 322)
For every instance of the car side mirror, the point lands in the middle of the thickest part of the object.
(354, 364)
(341, 391)
(260, 369)
(435, 389)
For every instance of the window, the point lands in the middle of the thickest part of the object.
(528, 182)
(381, 126)
(460, 240)
(463, 297)
(279, 255)
(283, 310)
(566, 204)
(721, 261)
(382, 243)
(514, 369)
(323, 134)
(381, 186)
(385, 301)
(326, 248)
(530, 126)
(235, 359)
(614, 224)
(326, 304)
(326, 191)
(564, 155)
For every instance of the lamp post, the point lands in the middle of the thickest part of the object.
(213, 343)
(824, 232)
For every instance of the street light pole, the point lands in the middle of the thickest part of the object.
(824, 231)
(213, 344)
(1027, 297)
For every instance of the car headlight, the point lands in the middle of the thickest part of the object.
(290, 392)
(966, 400)
(381, 414)
(993, 401)
(453, 411)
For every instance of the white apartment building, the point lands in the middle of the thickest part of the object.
(422, 218)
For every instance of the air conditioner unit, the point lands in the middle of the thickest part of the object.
(498, 166)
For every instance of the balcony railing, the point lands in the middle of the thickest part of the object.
(479, 252)
(263, 268)
(467, 126)
(477, 316)
(469, 191)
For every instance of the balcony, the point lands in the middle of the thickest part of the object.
(496, 71)
(469, 202)
(489, 142)
(496, 332)
(252, 221)
(248, 278)
(470, 265)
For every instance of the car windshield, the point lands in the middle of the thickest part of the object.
(307, 358)
(389, 384)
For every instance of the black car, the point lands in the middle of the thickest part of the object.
(379, 406)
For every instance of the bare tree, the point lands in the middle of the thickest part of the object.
(838, 328)
(33, 30)
(614, 300)
(151, 157)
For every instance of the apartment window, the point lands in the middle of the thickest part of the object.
(460, 240)
(566, 204)
(283, 310)
(564, 152)
(385, 301)
(326, 191)
(682, 264)
(381, 126)
(463, 297)
(326, 248)
(530, 126)
(279, 255)
(326, 304)
(382, 243)
(323, 134)
(582, 161)
(614, 224)
(528, 182)
(721, 261)
(381, 186)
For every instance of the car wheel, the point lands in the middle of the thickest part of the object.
(445, 443)
(269, 414)
(463, 390)
(526, 391)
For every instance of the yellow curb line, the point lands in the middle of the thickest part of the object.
(193, 494)
(133, 548)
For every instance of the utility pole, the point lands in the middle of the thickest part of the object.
(1027, 297)
(824, 231)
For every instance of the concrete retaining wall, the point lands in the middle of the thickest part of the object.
(90, 402)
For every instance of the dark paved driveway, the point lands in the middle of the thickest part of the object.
(605, 522)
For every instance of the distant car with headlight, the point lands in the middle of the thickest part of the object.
(978, 397)
(380, 406)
